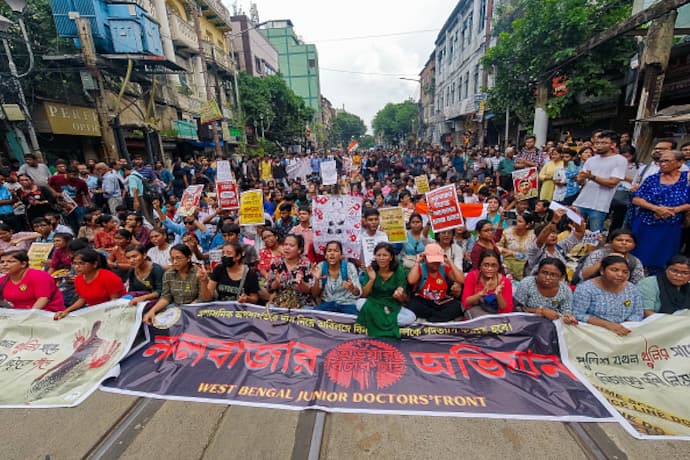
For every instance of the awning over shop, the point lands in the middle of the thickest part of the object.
(671, 114)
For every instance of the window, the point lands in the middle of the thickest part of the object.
(460, 89)
(447, 96)
(476, 79)
(452, 93)
(467, 84)
(482, 14)
(311, 63)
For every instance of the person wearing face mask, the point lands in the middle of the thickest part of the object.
(231, 280)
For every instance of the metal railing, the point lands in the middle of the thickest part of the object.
(182, 32)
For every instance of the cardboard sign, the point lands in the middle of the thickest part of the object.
(444, 209)
(337, 217)
(422, 184)
(393, 223)
(329, 173)
(214, 257)
(190, 200)
(227, 195)
(526, 183)
(38, 253)
(223, 171)
(252, 207)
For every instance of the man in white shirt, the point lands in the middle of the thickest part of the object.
(371, 235)
(39, 172)
(600, 176)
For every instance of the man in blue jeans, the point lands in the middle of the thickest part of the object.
(599, 177)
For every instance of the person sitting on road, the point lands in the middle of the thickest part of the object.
(336, 281)
(24, 287)
(610, 299)
(181, 284)
(231, 280)
(547, 293)
(431, 277)
(668, 291)
(94, 283)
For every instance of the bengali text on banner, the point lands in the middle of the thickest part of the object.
(46, 363)
(644, 377)
(503, 366)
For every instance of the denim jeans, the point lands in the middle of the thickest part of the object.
(349, 309)
(595, 219)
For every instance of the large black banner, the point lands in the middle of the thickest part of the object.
(502, 366)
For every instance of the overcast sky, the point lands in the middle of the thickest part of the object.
(402, 55)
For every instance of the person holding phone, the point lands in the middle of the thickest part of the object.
(431, 277)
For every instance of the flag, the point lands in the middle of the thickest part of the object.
(353, 146)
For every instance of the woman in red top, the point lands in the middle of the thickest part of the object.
(272, 249)
(431, 277)
(26, 287)
(486, 290)
(485, 241)
(104, 238)
(94, 285)
(117, 259)
(61, 257)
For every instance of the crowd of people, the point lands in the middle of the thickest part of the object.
(117, 232)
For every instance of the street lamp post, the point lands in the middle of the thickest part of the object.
(17, 7)
(261, 117)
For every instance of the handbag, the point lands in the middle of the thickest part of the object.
(621, 198)
(4, 303)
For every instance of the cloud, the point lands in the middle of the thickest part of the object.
(400, 55)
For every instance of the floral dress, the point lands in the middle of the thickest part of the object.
(287, 294)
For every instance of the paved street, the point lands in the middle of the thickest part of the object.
(183, 430)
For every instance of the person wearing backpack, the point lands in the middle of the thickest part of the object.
(336, 281)
(432, 276)
(140, 192)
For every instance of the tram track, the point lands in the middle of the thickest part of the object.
(310, 435)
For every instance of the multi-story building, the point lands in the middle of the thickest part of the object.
(253, 52)
(426, 98)
(459, 47)
(299, 62)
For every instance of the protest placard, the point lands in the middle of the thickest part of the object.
(190, 200)
(252, 207)
(526, 183)
(39, 253)
(329, 173)
(422, 184)
(339, 218)
(223, 171)
(393, 223)
(227, 195)
(444, 209)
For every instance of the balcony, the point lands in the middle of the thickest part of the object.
(216, 55)
(183, 33)
(216, 13)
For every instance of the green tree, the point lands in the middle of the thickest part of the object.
(285, 115)
(366, 141)
(42, 81)
(534, 34)
(396, 121)
(345, 126)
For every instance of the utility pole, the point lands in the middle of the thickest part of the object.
(657, 50)
(541, 117)
(209, 91)
(89, 53)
